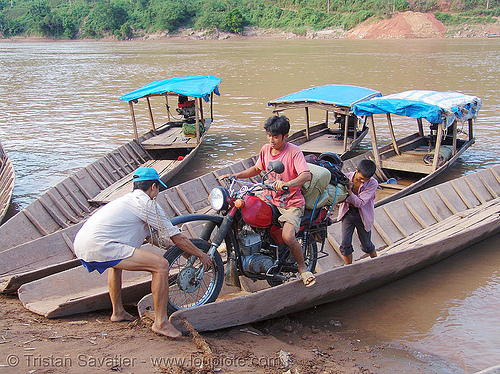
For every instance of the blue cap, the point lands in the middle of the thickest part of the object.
(147, 174)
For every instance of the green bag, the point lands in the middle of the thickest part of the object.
(189, 129)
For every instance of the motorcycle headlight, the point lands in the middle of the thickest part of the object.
(218, 198)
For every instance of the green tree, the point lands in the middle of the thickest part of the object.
(234, 21)
(105, 17)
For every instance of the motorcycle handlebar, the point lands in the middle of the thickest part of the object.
(232, 180)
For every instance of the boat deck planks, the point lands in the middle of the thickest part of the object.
(125, 184)
(173, 137)
(322, 144)
(391, 218)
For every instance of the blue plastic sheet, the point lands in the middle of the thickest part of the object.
(434, 106)
(333, 94)
(194, 86)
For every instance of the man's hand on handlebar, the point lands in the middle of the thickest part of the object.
(280, 186)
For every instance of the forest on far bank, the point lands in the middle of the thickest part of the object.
(124, 19)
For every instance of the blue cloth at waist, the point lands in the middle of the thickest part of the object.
(99, 266)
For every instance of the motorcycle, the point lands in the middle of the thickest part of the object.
(252, 235)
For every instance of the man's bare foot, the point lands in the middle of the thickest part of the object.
(120, 317)
(167, 330)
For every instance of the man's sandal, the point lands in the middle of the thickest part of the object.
(308, 278)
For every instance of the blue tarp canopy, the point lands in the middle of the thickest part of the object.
(332, 94)
(434, 106)
(194, 86)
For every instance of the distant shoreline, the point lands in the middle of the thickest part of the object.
(368, 30)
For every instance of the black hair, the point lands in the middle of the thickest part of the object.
(367, 168)
(145, 185)
(277, 125)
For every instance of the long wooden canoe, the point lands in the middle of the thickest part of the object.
(163, 148)
(412, 233)
(7, 178)
(394, 222)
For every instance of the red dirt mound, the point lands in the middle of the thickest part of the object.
(407, 25)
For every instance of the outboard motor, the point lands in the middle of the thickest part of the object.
(185, 107)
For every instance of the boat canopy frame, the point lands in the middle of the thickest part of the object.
(338, 99)
(198, 87)
(441, 109)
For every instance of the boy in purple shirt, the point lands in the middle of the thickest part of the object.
(357, 211)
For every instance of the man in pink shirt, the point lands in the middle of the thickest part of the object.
(357, 211)
(291, 203)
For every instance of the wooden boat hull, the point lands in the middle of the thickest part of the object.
(73, 200)
(394, 222)
(7, 179)
(341, 282)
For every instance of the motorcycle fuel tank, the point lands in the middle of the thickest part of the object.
(257, 213)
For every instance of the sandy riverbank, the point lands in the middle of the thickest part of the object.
(34, 344)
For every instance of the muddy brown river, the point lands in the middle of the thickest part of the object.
(60, 111)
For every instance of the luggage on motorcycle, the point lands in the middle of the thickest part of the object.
(333, 195)
(332, 162)
(315, 187)
(319, 186)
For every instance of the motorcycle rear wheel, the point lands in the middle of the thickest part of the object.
(310, 258)
(183, 292)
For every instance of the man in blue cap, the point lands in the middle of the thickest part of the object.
(111, 239)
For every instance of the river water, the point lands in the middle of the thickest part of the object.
(60, 111)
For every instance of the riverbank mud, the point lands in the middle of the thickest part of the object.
(78, 344)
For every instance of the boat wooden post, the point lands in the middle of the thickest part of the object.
(196, 107)
(358, 121)
(373, 136)
(201, 111)
(346, 131)
(471, 132)
(393, 137)
(420, 127)
(326, 118)
(168, 109)
(438, 146)
(131, 106)
(212, 106)
(454, 127)
(151, 115)
(307, 123)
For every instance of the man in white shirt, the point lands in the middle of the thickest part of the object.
(111, 239)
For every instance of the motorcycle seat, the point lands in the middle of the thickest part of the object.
(303, 222)
(306, 218)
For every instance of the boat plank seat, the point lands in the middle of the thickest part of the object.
(408, 162)
(125, 185)
(324, 143)
(172, 137)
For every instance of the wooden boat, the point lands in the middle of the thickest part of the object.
(347, 129)
(164, 148)
(418, 230)
(76, 291)
(7, 178)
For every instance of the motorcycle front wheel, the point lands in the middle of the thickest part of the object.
(186, 287)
